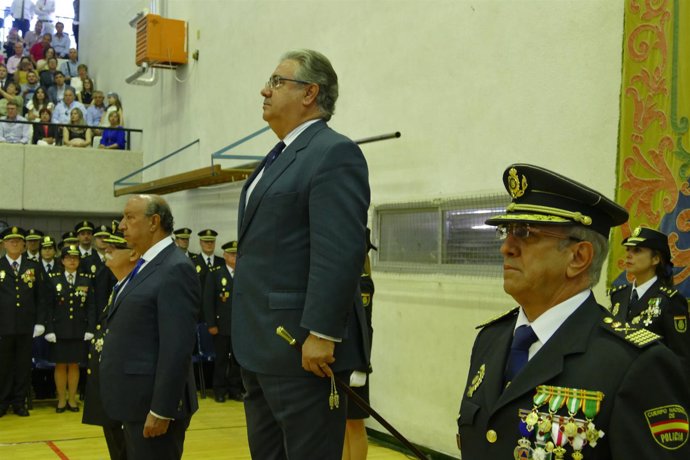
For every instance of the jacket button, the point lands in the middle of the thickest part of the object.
(491, 436)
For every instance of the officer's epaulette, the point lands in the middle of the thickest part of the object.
(670, 292)
(640, 337)
(613, 289)
(510, 313)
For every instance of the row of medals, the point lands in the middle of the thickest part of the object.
(553, 432)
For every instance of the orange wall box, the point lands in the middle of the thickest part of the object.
(161, 42)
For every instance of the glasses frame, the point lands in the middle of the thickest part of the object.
(503, 230)
(276, 81)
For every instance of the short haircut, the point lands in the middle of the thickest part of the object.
(12, 103)
(157, 205)
(314, 67)
(57, 72)
(600, 245)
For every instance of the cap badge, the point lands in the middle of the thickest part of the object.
(637, 231)
(516, 187)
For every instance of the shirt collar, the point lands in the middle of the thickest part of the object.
(548, 322)
(154, 250)
(644, 287)
(292, 135)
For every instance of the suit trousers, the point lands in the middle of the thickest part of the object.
(15, 366)
(289, 417)
(166, 447)
(226, 371)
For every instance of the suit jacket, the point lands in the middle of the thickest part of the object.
(218, 299)
(146, 360)
(301, 247)
(22, 297)
(661, 310)
(72, 310)
(642, 387)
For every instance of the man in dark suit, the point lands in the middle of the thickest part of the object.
(146, 362)
(22, 316)
(218, 311)
(558, 377)
(302, 220)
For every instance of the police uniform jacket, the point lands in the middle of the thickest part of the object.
(56, 268)
(72, 309)
(643, 413)
(22, 297)
(661, 310)
(218, 299)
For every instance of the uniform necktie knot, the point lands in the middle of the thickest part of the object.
(273, 154)
(519, 351)
(634, 298)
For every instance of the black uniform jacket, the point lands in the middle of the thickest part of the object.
(218, 299)
(22, 297)
(71, 311)
(642, 413)
(660, 310)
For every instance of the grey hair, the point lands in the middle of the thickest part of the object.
(600, 245)
(157, 205)
(314, 67)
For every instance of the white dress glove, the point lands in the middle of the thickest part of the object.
(52, 338)
(39, 329)
(88, 336)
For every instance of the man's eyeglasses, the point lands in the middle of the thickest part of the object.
(523, 231)
(276, 81)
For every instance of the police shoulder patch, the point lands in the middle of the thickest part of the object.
(639, 337)
(669, 425)
(669, 292)
(508, 314)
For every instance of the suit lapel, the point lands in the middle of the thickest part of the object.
(286, 158)
(571, 338)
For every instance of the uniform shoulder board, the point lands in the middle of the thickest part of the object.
(640, 337)
(613, 289)
(52, 274)
(670, 292)
(508, 314)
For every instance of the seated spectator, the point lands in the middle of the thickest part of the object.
(38, 102)
(30, 87)
(4, 78)
(83, 72)
(21, 76)
(17, 55)
(50, 53)
(12, 38)
(94, 113)
(38, 49)
(70, 66)
(77, 136)
(14, 133)
(47, 76)
(34, 36)
(114, 105)
(61, 114)
(113, 138)
(61, 41)
(56, 92)
(45, 133)
(10, 94)
(85, 95)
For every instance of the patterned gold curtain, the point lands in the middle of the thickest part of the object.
(653, 153)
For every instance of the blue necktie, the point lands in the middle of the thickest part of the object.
(273, 154)
(519, 351)
(140, 262)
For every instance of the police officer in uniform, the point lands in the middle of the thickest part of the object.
(33, 244)
(218, 312)
(84, 232)
(71, 322)
(558, 377)
(48, 261)
(651, 301)
(181, 237)
(206, 260)
(22, 314)
(119, 261)
(68, 238)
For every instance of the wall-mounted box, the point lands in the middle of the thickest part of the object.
(161, 42)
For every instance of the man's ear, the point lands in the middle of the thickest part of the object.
(133, 256)
(582, 256)
(310, 94)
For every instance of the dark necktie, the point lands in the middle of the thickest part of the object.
(633, 297)
(140, 262)
(208, 261)
(273, 154)
(519, 351)
(15, 267)
(49, 267)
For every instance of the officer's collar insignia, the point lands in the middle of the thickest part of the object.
(669, 425)
(516, 187)
(681, 323)
(476, 380)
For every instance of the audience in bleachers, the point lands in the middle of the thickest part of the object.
(69, 67)
(12, 38)
(77, 136)
(61, 41)
(38, 49)
(34, 36)
(4, 77)
(38, 102)
(82, 73)
(113, 138)
(45, 11)
(10, 94)
(114, 105)
(30, 86)
(13, 60)
(57, 92)
(21, 76)
(47, 75)
(14, 133)
(62, 111)
(85, 93)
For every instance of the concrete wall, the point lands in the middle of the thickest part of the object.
(473, 85)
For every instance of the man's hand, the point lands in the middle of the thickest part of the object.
(213, 330)
(39, 329)
(155, 426)
(50, 337)
(317, 354)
